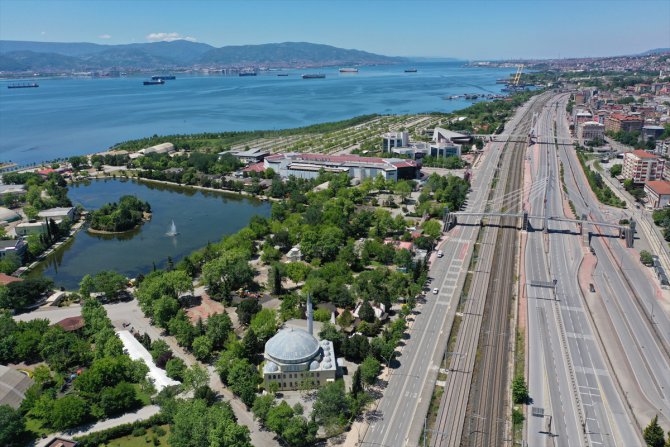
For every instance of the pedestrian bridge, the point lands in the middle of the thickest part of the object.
(530, 139)
(543, 223)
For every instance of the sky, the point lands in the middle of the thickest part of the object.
(464, 29)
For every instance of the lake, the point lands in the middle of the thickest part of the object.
(200, 217)
(73, 116)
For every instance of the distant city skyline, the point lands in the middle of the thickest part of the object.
(478, 29)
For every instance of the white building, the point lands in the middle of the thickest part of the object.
(58, 214)
(28, 228)
(308, 166)
(391, 140)
(591, 130)
(295, 359)
(642, 167)
(658, 193)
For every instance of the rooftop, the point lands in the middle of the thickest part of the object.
(6, 279)
(14, 385)
(72, 323)
(292, 345)
(660, 187)
(642, 154)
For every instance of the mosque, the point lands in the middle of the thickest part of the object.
(295, 359)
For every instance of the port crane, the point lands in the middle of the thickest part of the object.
(517, 76)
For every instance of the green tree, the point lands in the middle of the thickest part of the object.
(616, 170)
(246, 310)
(262, 406)
(243, 379)
(366, 312)
(195, 377)
(370, 369)
(202, 347)
(12, 426)
(164, 309)
(278, 417)
(653, 434)
(117, 399)
(519, 390)
(432, 228)
(175, 368)
(264, 324)
(219, 327)
(67, 412)
(646, 258)
(275, 279)
(228, 272)
(330, 408)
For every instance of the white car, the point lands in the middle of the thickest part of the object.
(440, 254)
(435, 291)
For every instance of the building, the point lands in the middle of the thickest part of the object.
(650, 132)
(18, 190)
(14, 386)
(58, 214)
(591, 130)
(642, 167)
(295, 359)
(441, 135)
(442, 150)
(7, 215)
(658, 193)
(6, 279)
(254, 155)
(15, 246)
(163, 148)
(308, 166)
(28, 228)
(619, 122)
(394, 139)
(294, 254)
(62, 442)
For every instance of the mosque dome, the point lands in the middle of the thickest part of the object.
(292, 346)
(271, 367)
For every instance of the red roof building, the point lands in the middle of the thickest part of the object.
(6, 279)
(658, 193)
(71, 324)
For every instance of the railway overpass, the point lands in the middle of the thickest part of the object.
(452, 219)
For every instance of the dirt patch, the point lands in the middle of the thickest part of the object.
(206, 308)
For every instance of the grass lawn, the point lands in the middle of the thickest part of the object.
(35, 426)
(142, 441)
(141, 395)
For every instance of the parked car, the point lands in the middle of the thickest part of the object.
(440, 254)
(592, 288)
(435, 291)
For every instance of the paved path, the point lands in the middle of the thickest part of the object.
(131, 313)
(128, 418)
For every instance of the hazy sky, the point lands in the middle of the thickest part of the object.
(474, 29)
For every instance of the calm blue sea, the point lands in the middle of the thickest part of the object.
(65, 117)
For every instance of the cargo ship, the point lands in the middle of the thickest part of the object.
(348, 70)
(314, 76)
(164, 78)
(156, 82)
(410, 70)
(247, 72)
(31, 85)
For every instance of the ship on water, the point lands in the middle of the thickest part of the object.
(247, 72)
(29, 85)
(348, 70)
(164, 78)
(156, 82)
(313, 76)
(282, 74)
(410, 70)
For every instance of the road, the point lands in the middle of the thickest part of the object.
(483, 333)
(398, 419)
(130, 312)
(568, 375)
(626, 297)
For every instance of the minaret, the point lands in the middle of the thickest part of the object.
(310, 314)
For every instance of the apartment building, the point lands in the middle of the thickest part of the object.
(641, 166)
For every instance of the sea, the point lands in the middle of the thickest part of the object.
(75, 116)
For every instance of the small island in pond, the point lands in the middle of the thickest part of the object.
(126, 215)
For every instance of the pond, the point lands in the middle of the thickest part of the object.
(199, 217)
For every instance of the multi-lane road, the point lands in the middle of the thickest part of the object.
(401, 411)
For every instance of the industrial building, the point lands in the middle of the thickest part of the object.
(308, 166)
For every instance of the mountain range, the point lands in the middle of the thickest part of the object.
(16, 56)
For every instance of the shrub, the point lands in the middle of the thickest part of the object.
(139, 431)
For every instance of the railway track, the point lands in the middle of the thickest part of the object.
(476, 416)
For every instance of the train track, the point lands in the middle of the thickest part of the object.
(486, 315)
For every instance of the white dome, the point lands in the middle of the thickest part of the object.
(314, 365)
(271, 367)
(292, 346)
